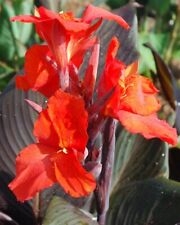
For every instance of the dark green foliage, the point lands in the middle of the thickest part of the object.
(14, 38)
(143, 193)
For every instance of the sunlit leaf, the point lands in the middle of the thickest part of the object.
(146, 57)
(13, 35)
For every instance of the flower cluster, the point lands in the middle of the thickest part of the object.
(63, 129)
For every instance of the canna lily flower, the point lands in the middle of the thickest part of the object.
(134, 101)
(68, 38)
(61, 136)
(68, 21)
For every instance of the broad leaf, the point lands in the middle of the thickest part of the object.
(11, 210)
(16, 122)
(6, 220)
(151, 201)
(143, 193)
(61, 212)
(124, 148)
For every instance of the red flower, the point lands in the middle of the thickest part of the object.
(68, 21)
(134, 101)
(68, 38)
(61, 140)
(40, 71)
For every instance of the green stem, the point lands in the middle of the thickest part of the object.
(173, 38)
(5, 66)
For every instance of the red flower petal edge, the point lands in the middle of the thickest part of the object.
(149, 126)
(34, 171)
(92, 12)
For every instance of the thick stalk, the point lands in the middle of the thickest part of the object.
(103, 186)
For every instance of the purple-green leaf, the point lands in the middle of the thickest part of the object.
(169, 85)
(165, 76)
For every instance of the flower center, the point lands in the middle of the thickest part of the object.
(124, 87)
(64, 150)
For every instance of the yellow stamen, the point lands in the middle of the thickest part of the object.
(36, 13)
(64, 150)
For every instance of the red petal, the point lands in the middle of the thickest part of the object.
(41, 14)
(40, 75)
(139, 95)
(148, 126)
(44, 15)
(34, 171)
(91, 13)
(26, 19)
(75, 180)
(66, 47)
(73, 25)
(109, 78)
(56, 37)
(91, 29)
(112, 50)
(44, 130)
(91, 72)
(70, 120)
(77, 49)
(113, 69)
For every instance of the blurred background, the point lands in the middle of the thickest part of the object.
(158, 24)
